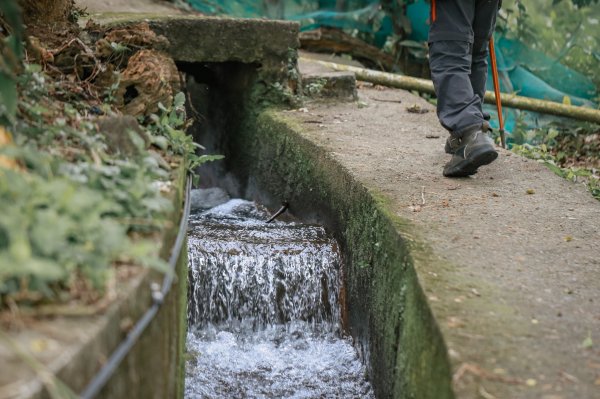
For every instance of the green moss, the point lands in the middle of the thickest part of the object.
(387, 313)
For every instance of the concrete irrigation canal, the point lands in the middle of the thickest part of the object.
(389, 281)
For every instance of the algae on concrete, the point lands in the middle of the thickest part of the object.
(385, 310)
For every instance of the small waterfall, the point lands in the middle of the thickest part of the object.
(264, 310)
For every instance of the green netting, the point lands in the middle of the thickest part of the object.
(522, 70)
(356, 16)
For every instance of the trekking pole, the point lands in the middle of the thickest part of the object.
(497, 91)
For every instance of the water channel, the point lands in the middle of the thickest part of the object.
(264, 311)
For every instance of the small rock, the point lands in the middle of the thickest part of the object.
(206, 198)
(417, 109)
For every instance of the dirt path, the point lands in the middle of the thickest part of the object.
(519, 299)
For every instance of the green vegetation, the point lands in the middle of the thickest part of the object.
(570, 33)
(70, 208)
(572, 153)
(76, 200)
(545, 155)
(560, 29)
(11, 51)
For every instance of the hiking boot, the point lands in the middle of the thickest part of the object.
(473, 150)
(453, 143)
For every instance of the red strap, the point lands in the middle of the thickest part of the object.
(433, 11)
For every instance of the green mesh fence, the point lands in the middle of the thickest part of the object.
(522, 70)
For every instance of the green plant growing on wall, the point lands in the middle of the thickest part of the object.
(72, 209)
(168, 133)
(11, 53)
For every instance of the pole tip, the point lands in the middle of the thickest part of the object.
(502, 138)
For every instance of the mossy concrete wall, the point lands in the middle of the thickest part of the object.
(155, 368)
(385, 310)
(267, 46)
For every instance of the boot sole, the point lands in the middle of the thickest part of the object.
(470, 165)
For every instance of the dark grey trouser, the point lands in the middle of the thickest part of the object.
(458, 50)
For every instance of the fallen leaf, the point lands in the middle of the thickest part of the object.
(587, 342)
(568, 238)
(39, 345)
(531, 382)
(454, 322)
(530, 191)
(5, 139)
(593, 365)
(569, 377)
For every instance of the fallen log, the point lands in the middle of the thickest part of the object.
(508, 100)
(332, 40)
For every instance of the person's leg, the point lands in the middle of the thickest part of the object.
(458, 89)
(451, 39)
(483, 26)
(479, 68)
(458, 106)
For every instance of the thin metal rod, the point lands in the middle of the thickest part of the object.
(284, 207)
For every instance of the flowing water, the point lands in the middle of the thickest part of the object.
(264, 311)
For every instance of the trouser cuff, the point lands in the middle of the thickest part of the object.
(469, 129)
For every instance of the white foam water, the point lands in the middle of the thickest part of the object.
(264, 312)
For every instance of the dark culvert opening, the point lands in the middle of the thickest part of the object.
(264, 312)
(217, 98)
